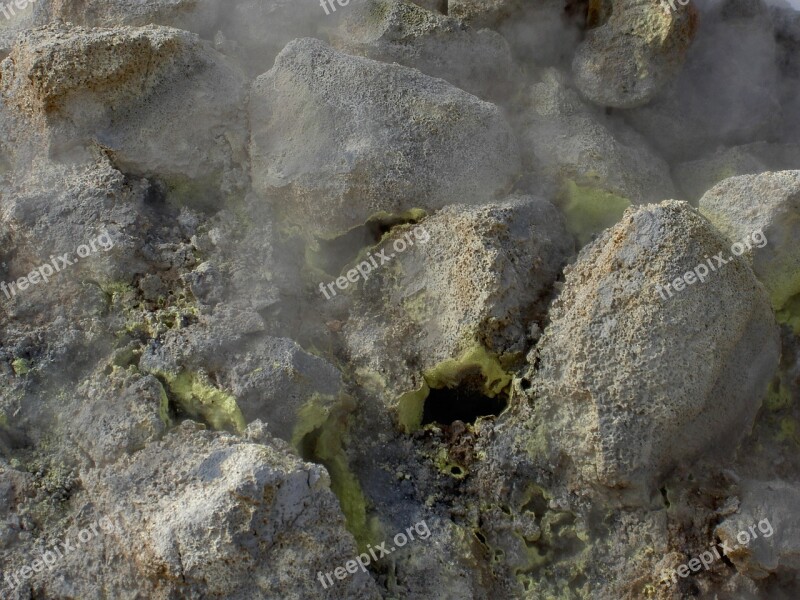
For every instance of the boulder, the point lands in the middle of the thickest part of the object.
(763, 533)
(478, 61)
(456, 303)
(727, 93)
(696, 177)
(205, 514)
(596, 163)
(634, 378)
(330, 162)
(768, 203)
(627, 60)
(136, 92)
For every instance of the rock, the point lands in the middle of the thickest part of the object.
(732, 60)
(696, 177)
(483, 13)
(330, 165)
(763, 533)
(251, 32)
(619, 385)
(596, 164)
(399, 31)
(255, 376)
(457, 303)
(128, 90)
(768, 203)
(119, 415)
(627, 61)
(203, 514)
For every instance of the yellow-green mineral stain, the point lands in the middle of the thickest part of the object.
(319, 436)
(448, 374)
(198, 398)
(778, 396)
(20, 366)
(590, 210)
(789, 314)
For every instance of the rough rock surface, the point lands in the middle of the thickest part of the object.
(623, 392)
(698, 176)
(597, 163)
(127, 90)
(219, 516)
(769, 203)
(627, 60)
(732, 61)
(232, 199)
(478, 61)
(763, 532)
(463, 295)
(427, 145)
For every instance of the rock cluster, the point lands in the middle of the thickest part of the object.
(470, 264)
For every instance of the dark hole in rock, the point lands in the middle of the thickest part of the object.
(464, 402)
(456, 471)
(333, 255)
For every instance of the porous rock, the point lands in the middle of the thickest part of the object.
(204, 514)
(626, 61)
(763, 533)
(478, 61)
(768, 203)
(137, 92)
(329, 164)
(634, 379)
(465, 293)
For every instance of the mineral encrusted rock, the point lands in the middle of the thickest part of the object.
(598, 164)
(249, 410)
(410, 142)
(734, 61)
(462, 296)
(769, 203)
(696, 177)
(626, 61)
(632, 381)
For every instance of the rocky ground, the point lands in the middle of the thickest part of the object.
(281, 282)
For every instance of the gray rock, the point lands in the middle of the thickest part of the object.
(727, 92)
(330, 163)
(763, 534)
(626, 394)
(399, 31)
(696, 177)
(596, 164)
(255, 376)
(768, 203)
(483, 13)
(627, 61)
(205, 515)
(119, 415)
(251, 32)
(458, 302)
(128, 90)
